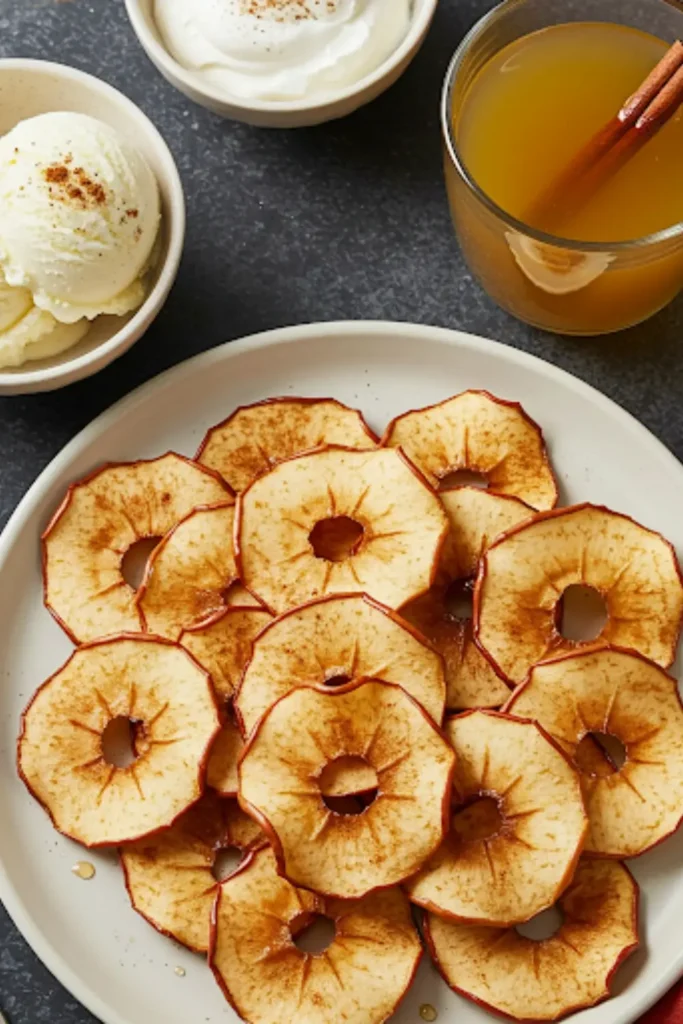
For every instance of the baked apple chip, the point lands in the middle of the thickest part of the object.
(337, 854)
(171, 877)
(337, 521)
(518, 825)
(189, 573)
(524, 575)
(595, 695)
(334, 641)
(525, 979)
(167, 700)
(477, 432)
(257, 437)
(360, 978)
(101, 518)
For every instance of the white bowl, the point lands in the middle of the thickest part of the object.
(31, 87)
(281, 113)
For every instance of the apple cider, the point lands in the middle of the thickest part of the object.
(515, 121)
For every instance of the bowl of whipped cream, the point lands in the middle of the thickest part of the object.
(281, 63)
(92, 225)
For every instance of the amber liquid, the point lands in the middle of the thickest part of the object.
(533, 107)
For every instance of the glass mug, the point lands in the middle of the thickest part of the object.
(639, 277)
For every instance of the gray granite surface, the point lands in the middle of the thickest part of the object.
(344, 221)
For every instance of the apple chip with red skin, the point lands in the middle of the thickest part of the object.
(257, 437)
(336, 521)
(348, 856)
(517, 830)
(477, 432)
(100, 519)
(524, 979)
(476, 518)
(331, 642)
(189, 572)
(524, 574)
(170, 877)
(596, 694)
(168, 699)
(359, 979)
(223, 647)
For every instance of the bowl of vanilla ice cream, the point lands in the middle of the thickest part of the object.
(281, 63)
(92, 225)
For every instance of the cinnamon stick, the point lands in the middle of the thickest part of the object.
(664, 105)
(643, 97)
(643, 114)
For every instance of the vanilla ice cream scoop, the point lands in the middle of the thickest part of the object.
(28, 333)
(14, 304)
(79, 216)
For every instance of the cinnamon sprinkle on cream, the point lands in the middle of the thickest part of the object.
(74, 184)
(285, 10)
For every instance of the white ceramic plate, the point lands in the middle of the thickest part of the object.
(86, 932)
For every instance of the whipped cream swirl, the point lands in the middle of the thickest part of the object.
(281, 49)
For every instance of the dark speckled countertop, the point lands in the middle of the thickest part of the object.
(344, 221)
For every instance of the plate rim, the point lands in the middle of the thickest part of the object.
(324, 331)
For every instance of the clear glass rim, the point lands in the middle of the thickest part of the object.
(666, 235)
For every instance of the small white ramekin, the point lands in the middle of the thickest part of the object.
(280, 113)
(31, 87)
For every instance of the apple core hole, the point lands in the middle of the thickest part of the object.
(228, 859)
(118, 742)
(479, 820)
(355, 802)
(134, 562)
(338, 680)
(458, 600)
(543, 926)
(314, 934)
(583, 613)
(233, 594)
(346, 806)
(464, 478)
(336, 539)
(599, 754)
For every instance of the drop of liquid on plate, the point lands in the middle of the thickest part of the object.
(180, 971)
(84, 869)
(427, 1012)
